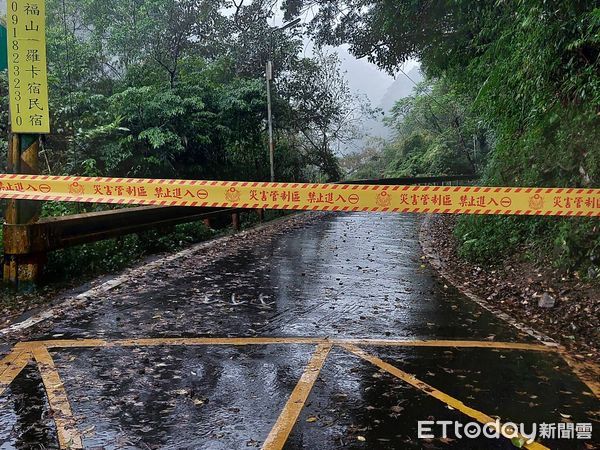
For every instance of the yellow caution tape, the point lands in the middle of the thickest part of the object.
(306, 196)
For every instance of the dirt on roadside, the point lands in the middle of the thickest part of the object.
(516, 287)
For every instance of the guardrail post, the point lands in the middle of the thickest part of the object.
(261, 215)
(235, 221)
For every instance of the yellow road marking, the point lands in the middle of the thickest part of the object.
(68, 435)
(62, 343)
(85, 343)
(288, 417)
(152, 342)
(433, 392)
(587, 372)
(9, 359)
(11, 366)
(447, 343)
(215, 341)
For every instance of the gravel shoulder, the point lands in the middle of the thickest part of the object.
(518, 288)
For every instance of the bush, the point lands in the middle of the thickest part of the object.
(571, 244)
(115, 254)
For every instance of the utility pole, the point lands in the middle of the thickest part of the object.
(269, 77)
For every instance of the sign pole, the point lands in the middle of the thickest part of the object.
(21, 271)
(3, 46)
(269, 75)
(29, 118)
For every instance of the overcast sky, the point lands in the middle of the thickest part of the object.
(366, 78)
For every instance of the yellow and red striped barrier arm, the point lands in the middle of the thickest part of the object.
(305, 196)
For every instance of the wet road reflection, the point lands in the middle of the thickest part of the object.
(343, 276)
(510, 385)
(24, 419)
(354, 275)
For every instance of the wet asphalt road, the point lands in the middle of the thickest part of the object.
(342, 276)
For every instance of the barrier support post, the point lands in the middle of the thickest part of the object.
(235, 221)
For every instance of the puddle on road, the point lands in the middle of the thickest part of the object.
(515, 385)
(356, 405)
(195, 397)
(226, 397)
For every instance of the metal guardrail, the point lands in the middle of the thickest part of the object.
(55, 233)
(414, 180)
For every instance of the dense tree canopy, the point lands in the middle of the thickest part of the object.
(436, 133)
(519, 82)
(529, 69)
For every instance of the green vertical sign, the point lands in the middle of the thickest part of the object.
(3, 47)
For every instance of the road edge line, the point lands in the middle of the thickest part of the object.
(580, 369)
(437, 265)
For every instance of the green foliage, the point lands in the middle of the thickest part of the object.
(522, 76)
(484, 238)
(577, 245)
(541, 97)
(436, 133)
(367, 164)
(572, 243)
(176, 89)
(115, 254)
(134, 92)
